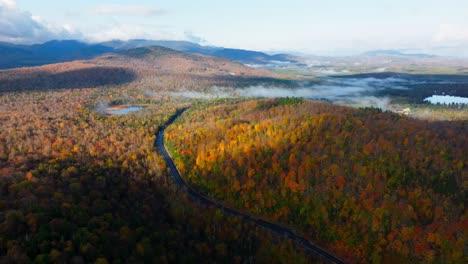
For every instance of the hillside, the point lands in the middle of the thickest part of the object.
(155, 68)
(77, 186)
(368, 186)
(157, 59)
(239, 55)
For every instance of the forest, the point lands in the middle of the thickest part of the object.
(151, 69)
(77, 186)
(368, 185)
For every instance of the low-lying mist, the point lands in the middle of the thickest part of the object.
(101, 107)
(349, 91)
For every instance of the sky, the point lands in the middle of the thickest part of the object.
(308, 26)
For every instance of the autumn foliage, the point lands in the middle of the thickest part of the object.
(78, 186)
(368, 185)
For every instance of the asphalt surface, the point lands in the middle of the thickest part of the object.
(282, 231)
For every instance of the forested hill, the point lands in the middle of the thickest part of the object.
(155, 68)
(157, 59)
(369, 186)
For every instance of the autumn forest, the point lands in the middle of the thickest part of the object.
(368, 185)
(80, 184)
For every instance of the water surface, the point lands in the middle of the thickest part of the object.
(124, 111)
(446, 99)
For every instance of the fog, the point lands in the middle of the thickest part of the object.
(101, 107)
(378, 102)
(345, 91)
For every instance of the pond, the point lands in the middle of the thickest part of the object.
(124, 110)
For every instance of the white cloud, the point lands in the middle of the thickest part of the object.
(451, 34)
(126, 32)
(190, 36)
(17, 26)
(8, 3)
(128, 10)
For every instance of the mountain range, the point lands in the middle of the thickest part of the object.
(397, 53)
(13, 56)
(142, 68)
(56, 51)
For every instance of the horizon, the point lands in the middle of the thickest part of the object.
(305, 27)
(287, 52)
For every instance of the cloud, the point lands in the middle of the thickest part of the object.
(190, 36)
(449, 40)
(126, 32)
(17, 26)
(451, 33)
(128, 10)
(8, 3)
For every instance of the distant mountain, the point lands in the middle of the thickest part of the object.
(251, 57)
(13, 56)
(397, 53)
(148, 67)
(149, 52)
(183, 46)
(70, 49)
(159, 60)
(239, 55)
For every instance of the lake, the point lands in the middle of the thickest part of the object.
(446, 99)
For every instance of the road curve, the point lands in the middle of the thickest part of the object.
(275, 228)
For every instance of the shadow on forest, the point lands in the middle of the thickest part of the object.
(81, 78)
(91, 211)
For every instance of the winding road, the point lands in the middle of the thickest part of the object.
(275, 228)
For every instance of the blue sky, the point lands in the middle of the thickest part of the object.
(322, 27)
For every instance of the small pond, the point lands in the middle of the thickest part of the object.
(123, 110)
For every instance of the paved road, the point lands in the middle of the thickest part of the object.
(280, 230)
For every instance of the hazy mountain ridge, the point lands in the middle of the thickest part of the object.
(397, 53)
(240, 55)
(148, 66)
(14, 56)
(54, 51)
